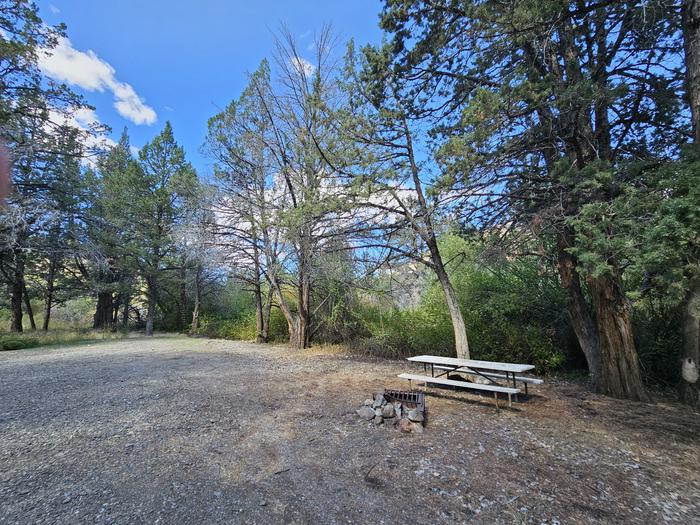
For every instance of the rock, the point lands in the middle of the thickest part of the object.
(378, 412)
(417, 428)
(379, 400)
(405, 426)
(388, 411)
(368, 402)
(415, 415)
(366, 413)
(689, 371)
(378, 420)
(398, 409)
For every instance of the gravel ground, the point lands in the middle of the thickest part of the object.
(177, 430)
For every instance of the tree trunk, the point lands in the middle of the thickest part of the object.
(580, 315)
(257, 290)
(195, 317)
(152, 302)
(114, 314)
(125, 308)
(288, 316)
(267, 311)
(297, 324)
(621, 377)
(16, 294)
(48, 303)
(258, 314)
(690, 385)
(103, 310)
(182, 302)
(304, 314)
(460, 329)
(690, 17)
(427, 232)
(458, 326)
(292, 329)
(28, 306)
(197, 300)
(303, 317)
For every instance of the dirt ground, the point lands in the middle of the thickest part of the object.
(176, 430)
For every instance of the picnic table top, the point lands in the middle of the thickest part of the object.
(481, 365)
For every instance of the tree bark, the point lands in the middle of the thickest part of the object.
(690, 391)
(257, 290)
(298, 324)
(114, 314)
(690, 385)
(195, 317)
(580, 314)
(197, 300)
(304, 314)
(125, 308)
(48, 302)
(267, 311)
(152, 302)
(458, 326)
(16, 296)
(258, 314)
(690, 20)
(284, 307)
(28, 306)
(182, 301)
(103, 310)
(303, 317)
(125, 312)
(621, 376)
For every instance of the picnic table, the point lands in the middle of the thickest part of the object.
(492, 371)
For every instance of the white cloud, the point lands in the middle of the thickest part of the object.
(88, 71)
(84, 119)
(302, 66)
(134, 150)
(55, 10)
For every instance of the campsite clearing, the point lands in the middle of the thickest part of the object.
(176, 430)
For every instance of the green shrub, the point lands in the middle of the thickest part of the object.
(12, 341)
(514, 311)
(243, 328)
(658, 329)
(73, 314)
(17, 342)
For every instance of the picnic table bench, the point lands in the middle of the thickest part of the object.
(489, 370)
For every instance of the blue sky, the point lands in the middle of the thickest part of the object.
(182, 61)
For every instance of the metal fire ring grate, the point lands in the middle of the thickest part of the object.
(409, 398)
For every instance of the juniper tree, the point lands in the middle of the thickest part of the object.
(35, 113)
(543, 105)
